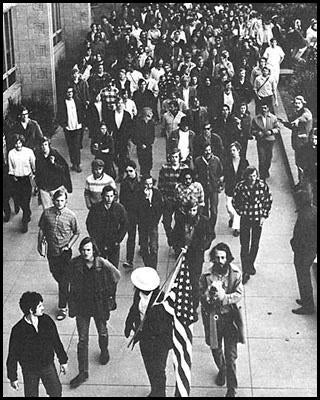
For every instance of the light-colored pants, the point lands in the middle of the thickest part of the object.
(232, 213)
(46, 197)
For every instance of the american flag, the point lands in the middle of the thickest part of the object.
(178, 302)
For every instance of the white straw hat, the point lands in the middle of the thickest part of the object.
(145, 278)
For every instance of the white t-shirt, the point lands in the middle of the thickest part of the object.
(73, 122)
(143, 303)
(183, 144)
(118, 118)
(228, 99)
(22, 162)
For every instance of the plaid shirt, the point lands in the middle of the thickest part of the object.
(253, 203)
(183, 193)
(58, 227)
(168, 179)
(109, 96)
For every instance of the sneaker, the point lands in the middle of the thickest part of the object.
(221, 378)
(61, 314)
(78, 168)
(236, 233)
(252, 270)
(127, 265)
(104, 357)
(78, 380)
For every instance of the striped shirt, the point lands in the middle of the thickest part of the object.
(253, 203)
(183, 193)
(58, 227)
(168, 179)
(93, 188)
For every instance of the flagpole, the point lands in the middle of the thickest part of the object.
(175, 271)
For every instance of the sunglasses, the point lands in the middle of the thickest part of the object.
(130, 170)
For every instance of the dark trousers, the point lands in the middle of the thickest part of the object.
(112, 254)
(268, 100)
(49, 378)
(244, 147)
(149, 244)
(155, 353)
(195, 269)
(83, 324)
(210, 209)
(59, 267)
(73, 139)
(303, 263)
(265, 148)
(131, 241)
(227, 361)
(168, 211)
(145, 160)
(250, 233)
(22, 194)
(122, 158)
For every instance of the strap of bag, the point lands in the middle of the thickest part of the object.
(258, 90)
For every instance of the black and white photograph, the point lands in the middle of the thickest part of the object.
(159, 199)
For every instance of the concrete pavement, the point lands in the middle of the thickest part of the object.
(279, 358)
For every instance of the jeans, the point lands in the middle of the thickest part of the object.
(131, 241)
(73, 139)
(83, 323)
(49, 378)
(112, 254)
(59, 268)
(265, 148)
(22, 194)
(210, 209)
(303, 263)
(227, 362)
(155, 353)
(149, 242)
(250, 232)
(168, 211)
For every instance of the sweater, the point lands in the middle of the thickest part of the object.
(34, 350)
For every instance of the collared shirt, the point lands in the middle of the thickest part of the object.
(73, 122)
(267, 89)
(168, 178)
(253, 203)
(183, 193)
(58, 226)
(98, 106)
(130, 107)
(171, 122)
(22, 162)
(109, 96)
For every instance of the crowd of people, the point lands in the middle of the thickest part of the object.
(189, 71)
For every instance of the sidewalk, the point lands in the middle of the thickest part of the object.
(279, 358)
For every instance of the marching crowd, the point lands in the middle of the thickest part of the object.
(192, 69)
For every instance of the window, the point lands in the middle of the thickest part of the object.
(9, 67)
(56, 23)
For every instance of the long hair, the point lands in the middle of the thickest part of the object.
(87, 240)
(222, 247)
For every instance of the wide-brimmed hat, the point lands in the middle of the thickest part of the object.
(145, 278)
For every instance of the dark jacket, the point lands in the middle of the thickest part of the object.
(231, 178)
(103, 285)
(201, 238)
(195, 125)
(122, 135)
(304, 240)
(107, 227)
(93, 119)
(80, 91)
(216, 145)
(219, 102)
(32, 134)
(126, 86)
(227, 129)
(63, 115)
(50, 176)
(145, 99)
(157, 324)
(243, 90)
(143, 133)
(208, 174)
(149, 214)
(34, 350)
(129, 193)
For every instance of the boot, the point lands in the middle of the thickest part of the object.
(103, 344)
(78, 380)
